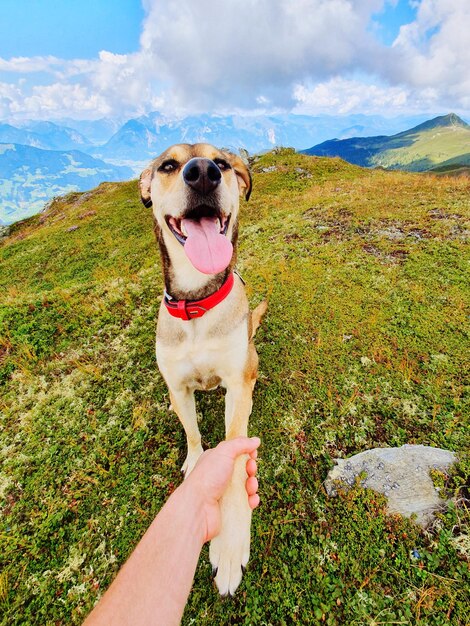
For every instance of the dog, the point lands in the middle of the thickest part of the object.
(205, 329)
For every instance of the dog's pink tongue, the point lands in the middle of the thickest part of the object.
(208, 250)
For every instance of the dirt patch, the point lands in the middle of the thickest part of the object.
(393, 257)
(419, 233)
(440, 214)
(341, 227)
(292, 237)
(393, 233)
(87, 214)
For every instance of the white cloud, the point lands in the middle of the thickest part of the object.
(58, 100)
(435, 50)
(311, 55)
(30, 65)
(234, 53)
(9, 94)
(344, 96)
(112, 84)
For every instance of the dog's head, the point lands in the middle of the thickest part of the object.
(194, 191)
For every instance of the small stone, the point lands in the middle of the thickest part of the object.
(4, 231)
(87, 214)
(71, 229)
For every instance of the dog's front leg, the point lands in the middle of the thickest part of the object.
(184, 405)
(230, 550)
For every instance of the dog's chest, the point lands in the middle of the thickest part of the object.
(199, 367)
(201, 358)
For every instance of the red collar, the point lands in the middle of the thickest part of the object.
(189, 309)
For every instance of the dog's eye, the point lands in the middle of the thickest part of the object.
(222, 165)
(168, 166)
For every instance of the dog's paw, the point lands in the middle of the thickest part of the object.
(191, 460)
(230, 550)
(229, 558)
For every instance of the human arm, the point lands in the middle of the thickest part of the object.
(153, 585)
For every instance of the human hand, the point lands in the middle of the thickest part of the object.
(211, 476)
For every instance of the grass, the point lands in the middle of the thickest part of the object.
(429, 148)
(365, 344)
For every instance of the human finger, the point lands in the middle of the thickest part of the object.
(251, 486)
(254, 454)
(239, 445)
(251, 467)
(253, 501)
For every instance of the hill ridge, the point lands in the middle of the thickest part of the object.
(424, 147)
(441, 121)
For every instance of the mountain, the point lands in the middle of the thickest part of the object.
(140, 139)
(145, 137)
(44, 135)
(29, 177)
(442, 141)
(137, 140)
(134, 143)
(97, 131)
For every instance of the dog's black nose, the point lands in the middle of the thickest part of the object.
(202, 175)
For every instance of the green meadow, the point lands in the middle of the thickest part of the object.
(430, 148)
(441, 144)
(365, 344)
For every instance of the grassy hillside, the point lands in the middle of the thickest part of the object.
(365, 344)
(426, 149)
(442, 141)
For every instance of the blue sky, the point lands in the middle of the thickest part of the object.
(81, 28)
(121, 58)
(69, 29)
(388, 20)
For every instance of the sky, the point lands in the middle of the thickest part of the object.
(89, 59)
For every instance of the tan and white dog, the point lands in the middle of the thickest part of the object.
(205, 329)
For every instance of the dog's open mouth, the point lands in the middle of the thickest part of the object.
(179, 226)
(203, 236)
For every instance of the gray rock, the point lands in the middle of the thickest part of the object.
(305, 173)
(401, 474)
(4, 231)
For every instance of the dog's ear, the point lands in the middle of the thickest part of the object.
(243, 176)
(144, 185)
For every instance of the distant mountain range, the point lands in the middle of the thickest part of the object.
(440, 144)
(39, 160)
(142, 138)
(29, 177)
(44, 135)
